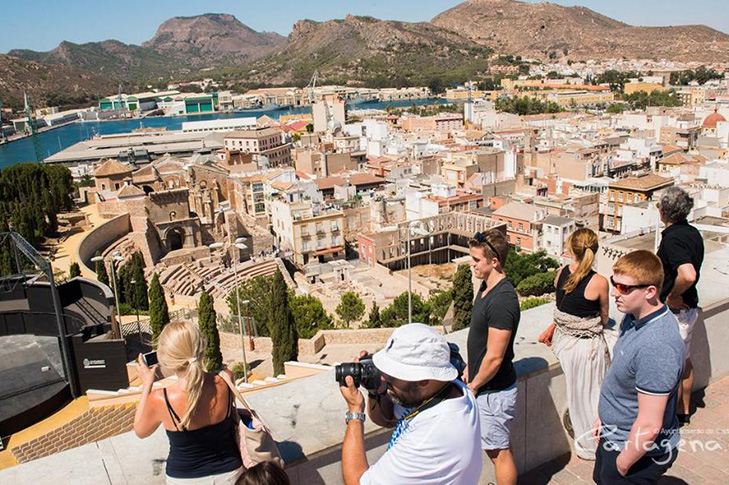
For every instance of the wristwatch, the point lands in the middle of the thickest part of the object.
(350, 416)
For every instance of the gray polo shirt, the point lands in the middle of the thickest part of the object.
(648, 358)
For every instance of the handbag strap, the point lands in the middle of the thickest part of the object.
(235, 390)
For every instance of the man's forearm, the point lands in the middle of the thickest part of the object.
(354, 459)
(380, 410)
(640, 441)
(486, 371)
(680, 286)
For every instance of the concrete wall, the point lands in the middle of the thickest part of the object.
(99, 238)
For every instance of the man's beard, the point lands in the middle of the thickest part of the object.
(407, 397)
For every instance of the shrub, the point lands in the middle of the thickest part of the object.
(533, 303)
(537, 284)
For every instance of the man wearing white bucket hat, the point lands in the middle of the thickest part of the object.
(437, 436)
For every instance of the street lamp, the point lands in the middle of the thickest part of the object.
(136, 309)
(116, 257)
(415, 227)
(238, 244)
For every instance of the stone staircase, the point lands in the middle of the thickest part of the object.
(93, 425)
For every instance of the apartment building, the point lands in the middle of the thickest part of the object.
(267, 142)
(523, 224)
(555, 231)
(308, 232)
(631, 190)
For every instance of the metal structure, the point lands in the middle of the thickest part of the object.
(2, 132)
(20, 244)
(33, 128)
(417, 228)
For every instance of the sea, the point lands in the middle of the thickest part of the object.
(53, 141)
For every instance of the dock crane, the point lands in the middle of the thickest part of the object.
(2, 132)
(33, 128)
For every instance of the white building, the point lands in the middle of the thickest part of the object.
(248, 123)
(555, 231)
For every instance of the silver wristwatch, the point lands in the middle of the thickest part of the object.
(350, 416)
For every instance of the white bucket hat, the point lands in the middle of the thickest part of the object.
(416, 352)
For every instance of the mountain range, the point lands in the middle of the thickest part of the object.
(453, 46)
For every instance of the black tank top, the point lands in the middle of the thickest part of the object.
(202, 452)
(575, 302)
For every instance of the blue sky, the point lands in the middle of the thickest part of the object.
(42, 24)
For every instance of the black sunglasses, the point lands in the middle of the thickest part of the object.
(481, 238)
(624, 289)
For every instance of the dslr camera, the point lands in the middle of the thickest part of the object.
(365, 373)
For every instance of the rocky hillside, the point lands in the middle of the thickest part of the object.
(181, 45)
(211, 38)
(61, 84)
(544, 30)
(365, 49)
(109, 58)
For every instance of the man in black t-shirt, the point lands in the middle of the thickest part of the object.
(490, 372)
(682, 253)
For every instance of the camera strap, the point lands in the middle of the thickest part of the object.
(433, 401)
(402, 423)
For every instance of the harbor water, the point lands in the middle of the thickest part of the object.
(53, 141)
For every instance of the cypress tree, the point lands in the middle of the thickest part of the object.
(140, 287)
(74, 271)
(209, 329)
(159, 315)
(462, 297)
(374, 320)
(284, 337)
(101, 273)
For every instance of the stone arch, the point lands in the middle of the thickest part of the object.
(175, 238)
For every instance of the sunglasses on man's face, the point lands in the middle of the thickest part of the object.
(624, 289)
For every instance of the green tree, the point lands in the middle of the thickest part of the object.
(462, 297)
(521, 265)
(283, 329)
(350, 308)
(101, 273)
(537, 284)
(374, 320)
(159, 315)
(439, 302)
(74, 270)
(616, 108)
(309, 315)
(257, 292)
(396, 314)
(209, 329)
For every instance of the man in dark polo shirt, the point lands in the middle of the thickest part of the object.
(637, 428)
(682, 253)
(490, 371)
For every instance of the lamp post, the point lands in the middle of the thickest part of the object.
(238, 244)
(136, 310)
(116, 257)
(251, 345)
(412, 227)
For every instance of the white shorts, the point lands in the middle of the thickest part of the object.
(686, 321)
(228, 478)
(496, 411)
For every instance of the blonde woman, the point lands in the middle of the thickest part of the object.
(195, 411)
(576, 336)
